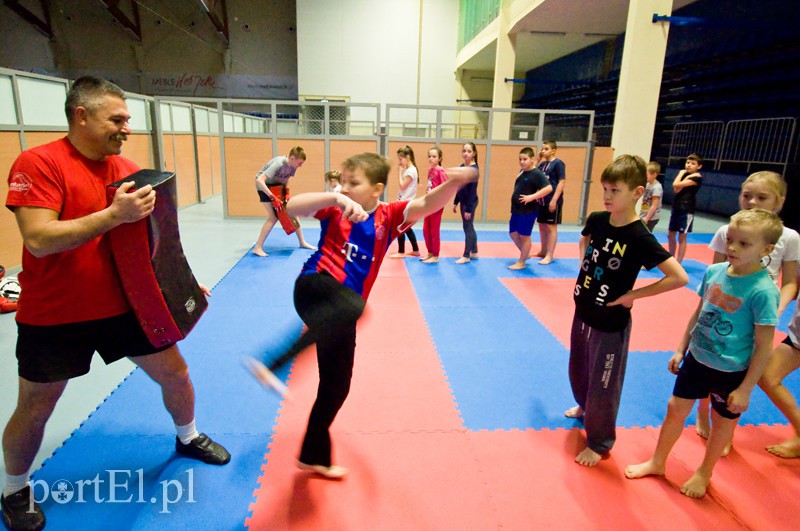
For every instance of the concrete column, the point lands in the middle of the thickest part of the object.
(640, 78)
(504, 62)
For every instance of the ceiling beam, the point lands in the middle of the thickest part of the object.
(134, 27)
(43, 26)
(218, 14)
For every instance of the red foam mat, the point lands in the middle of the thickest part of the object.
(414, 466)
(658, 322)
(525, 480)
(534, 483)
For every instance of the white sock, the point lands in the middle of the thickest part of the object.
(15, 484)
(187, 433)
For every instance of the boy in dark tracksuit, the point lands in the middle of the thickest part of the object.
(615, 245)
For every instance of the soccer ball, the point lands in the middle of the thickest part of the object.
(10, 288)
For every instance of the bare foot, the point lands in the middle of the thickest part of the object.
(516, 266)
(574, 412)
(427, 257)
(328, 472)
(265, 376)
(260, 252)
(462, 260)
(588, 457)
(473, 256)
(540, 254)
(788, 449)
(431, 260)
(397, 255)
(546, 261)
(307, 246)
(702, 426)
(648, 468)
(696, 486)
(413, 253)
(727, 449)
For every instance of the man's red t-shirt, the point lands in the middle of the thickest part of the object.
(81, 284)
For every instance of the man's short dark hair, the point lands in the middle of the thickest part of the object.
(86, 91)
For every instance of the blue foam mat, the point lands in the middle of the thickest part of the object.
(139, 482)
(507, 371)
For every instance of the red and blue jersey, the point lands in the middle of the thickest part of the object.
(353, 252)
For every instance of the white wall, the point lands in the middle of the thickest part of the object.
(367, 51)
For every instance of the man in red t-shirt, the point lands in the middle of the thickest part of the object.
(73, 303)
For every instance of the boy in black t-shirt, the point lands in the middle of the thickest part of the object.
(685, 185)
(529, 188)
(615, 245)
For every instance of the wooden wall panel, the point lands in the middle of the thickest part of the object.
(504, 171)
(216, 166)
(186, 170)
(38, 138)
(10, 239)
(243, 158)
(167, 141)
(311, 175)
(205, 165)
(340, 150)
(602, 158)
(575, 160)
(137, 149)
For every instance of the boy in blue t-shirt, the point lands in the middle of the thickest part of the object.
(725, 347)
(615, 245)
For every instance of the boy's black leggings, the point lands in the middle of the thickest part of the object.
(330, 310)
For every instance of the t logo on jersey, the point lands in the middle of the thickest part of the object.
(348, 250)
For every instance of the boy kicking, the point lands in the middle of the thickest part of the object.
(615, 245)
(331, 292)
(725, 347)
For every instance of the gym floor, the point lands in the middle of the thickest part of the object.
(446, 427)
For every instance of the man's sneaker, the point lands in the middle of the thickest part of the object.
(20, 512)
(203, 449)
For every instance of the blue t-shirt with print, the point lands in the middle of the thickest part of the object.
(732, 306)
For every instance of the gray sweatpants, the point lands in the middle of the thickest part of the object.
(597, 361)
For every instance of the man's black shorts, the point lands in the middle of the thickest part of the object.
(60, 352)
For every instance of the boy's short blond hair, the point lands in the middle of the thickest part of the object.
(333, 175)
(629, 169)
(375, 167)
(768, 224)
(653, 167)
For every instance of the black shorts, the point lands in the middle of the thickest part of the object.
(696, 381)
(788, 341)
(60, 352)
(681, 221)
(550, 218)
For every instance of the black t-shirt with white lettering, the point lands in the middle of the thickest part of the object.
(613, 259)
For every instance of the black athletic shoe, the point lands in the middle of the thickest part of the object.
(21, 513)
(203, 449)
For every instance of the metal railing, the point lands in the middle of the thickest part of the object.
(745, 142)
